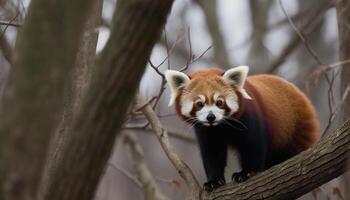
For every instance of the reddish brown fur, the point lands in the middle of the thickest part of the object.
(289, 113)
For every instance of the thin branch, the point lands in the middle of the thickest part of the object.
(151, 191)
(174, 134)
(10, 24)
(184, 171)
(184, 68)
(126, 174)
(167, 47)
(321, 70)
(190, 55)
(310, 25)
(331, 80)
(301, 36)
(169, 51)
(336, 110)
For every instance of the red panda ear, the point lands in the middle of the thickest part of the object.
(236, 77)
(175, 80)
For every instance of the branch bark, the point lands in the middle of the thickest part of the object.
(343, 17)
(137, 24)
(298, 175)
(184, 171)
(74, 92)
(344, 50)
(32, 101)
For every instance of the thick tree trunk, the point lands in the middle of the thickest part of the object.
(137, 24)
(45, 54)
(298, 175)
(343, 16)
(343, 13)
(74, 92)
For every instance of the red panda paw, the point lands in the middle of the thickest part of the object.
(211, 185)
(241, 176)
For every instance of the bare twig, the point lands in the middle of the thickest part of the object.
(335, 111)
(169, 51)
(151, 191)
(190, 55)
(330, 81)
(321, 70)
(167, 47)
(174, 134)
(184, 171)
(301, 36)
(184, 68)
(10, 24)
(313, 21)
(126, 174)
(147, 103)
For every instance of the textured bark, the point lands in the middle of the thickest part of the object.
(74, 92)
(298, 175)
(343, 13)
(137, 25)
(45, 54)
(343, 17)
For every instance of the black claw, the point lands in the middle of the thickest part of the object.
(211, 185)
(240, 176)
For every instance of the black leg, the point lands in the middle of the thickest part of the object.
(214, 153)
(252, 156)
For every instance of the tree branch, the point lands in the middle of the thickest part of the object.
(163, 138)
(150, 189)
(32, 100)
(298, 175)
(74, 92)
(137, 24)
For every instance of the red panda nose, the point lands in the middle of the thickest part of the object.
(211, 117)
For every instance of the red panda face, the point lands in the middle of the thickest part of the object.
(208, 100)
(209, 96)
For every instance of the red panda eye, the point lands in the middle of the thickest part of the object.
(199, 104)
(219, 103)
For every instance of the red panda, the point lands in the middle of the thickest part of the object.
(265, 118)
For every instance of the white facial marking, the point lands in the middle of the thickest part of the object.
(202, 98)
(186, 106)
(216, 96)
(232, 103)
(203, 113)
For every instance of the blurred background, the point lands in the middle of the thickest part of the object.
(203, 34)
